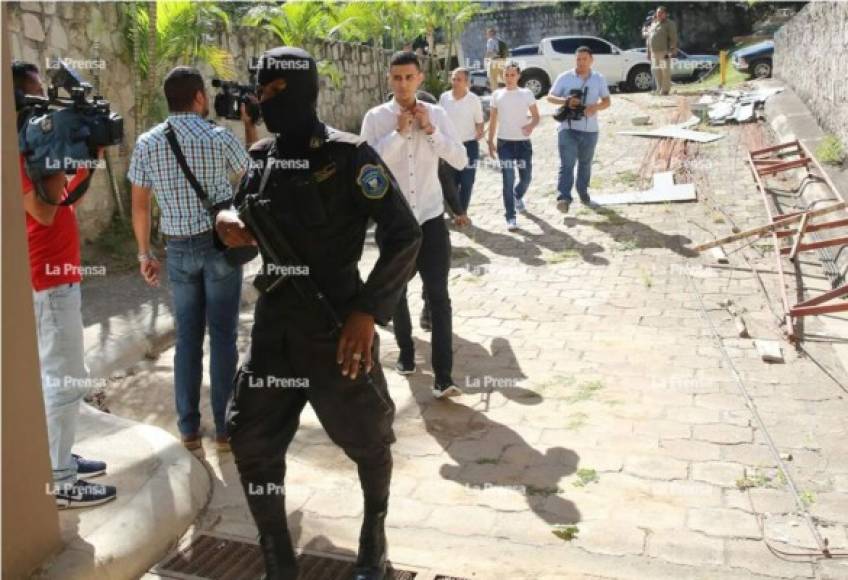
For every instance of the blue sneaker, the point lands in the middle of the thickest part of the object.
(519, 205)
(83, 494)
(89, 467)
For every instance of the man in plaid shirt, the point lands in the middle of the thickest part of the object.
(205, 288)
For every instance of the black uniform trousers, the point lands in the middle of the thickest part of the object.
(288, 366)
(433, 265)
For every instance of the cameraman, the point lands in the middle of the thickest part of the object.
(205, 287)
(578, 135)
(56, 273)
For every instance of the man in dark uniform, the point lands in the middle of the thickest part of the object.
(323, 186)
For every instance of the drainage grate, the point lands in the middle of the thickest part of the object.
(211, 557)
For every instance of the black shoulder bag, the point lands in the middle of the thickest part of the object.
(234, 256)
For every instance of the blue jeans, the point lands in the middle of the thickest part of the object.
(465, 177)
(575, 147)
(204, 288)
(515, 155)
(64, 378)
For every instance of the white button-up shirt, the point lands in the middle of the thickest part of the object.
(414, 158)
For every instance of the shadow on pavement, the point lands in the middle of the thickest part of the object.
(491, 456)
(623, 230)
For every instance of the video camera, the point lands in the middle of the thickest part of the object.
(64, 133)
(228, 102)
(567, 113)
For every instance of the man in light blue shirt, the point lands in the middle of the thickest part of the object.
(578, 137)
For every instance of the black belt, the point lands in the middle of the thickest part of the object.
(191, 237)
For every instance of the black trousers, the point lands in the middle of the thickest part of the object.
(433, 265)
(286, 368)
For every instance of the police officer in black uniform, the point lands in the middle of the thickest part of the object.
(323, 187)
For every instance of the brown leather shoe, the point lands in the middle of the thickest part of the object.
(222, 443)
(192, 442)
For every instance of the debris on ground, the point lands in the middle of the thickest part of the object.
(738, 106)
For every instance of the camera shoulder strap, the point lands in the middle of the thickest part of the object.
(181, 160)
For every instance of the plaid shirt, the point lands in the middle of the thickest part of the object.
(211, 151)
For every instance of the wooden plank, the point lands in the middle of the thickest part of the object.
(775, 148)
(802, 229)
(772, 169)
(682, 192)
(770, 227)
(674, 132)
(841, 241)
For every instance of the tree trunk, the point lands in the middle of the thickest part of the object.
(136, 73)
(151, 89)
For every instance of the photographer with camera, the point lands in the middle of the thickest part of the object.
(582, 92)
(186, 162)
(55, 274)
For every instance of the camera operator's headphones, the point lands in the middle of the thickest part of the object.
(46, 140)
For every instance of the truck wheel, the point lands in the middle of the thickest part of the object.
(639, 79)
(761, 69)
(537, 82)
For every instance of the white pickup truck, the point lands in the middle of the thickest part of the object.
(541, 64)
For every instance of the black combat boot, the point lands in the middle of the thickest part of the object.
(280, 560)
(371, 561)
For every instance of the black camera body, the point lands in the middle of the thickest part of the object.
(232, 95)
(61, 133)
(567, 113)
(103, 127)
(228, 102)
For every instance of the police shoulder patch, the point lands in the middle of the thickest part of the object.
(373, 181)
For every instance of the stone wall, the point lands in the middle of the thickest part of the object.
(89, 31)
(811, 56)
(703, 27)
(517, 26)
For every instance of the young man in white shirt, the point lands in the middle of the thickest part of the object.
(466, 111)
(411, 136)
(508, 120)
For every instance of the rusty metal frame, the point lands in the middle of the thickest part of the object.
(784, 157)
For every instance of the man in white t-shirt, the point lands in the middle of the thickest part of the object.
(466, 111)
(508, 120)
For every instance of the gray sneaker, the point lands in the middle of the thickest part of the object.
(519, 205)
(563, 205)
(511, 225)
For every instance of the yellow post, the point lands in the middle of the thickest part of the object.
(722, 66)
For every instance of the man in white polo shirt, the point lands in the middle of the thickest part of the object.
(577, 138)
(411, 136)
(466, 111)
(508, 120)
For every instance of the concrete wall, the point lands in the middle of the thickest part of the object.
(517, 26)
(811, 56)
(41, 31)
(707, 26)
(30, 521)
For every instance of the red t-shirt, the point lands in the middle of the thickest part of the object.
(54, 250)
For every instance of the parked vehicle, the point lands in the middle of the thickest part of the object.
(542, 63)
(687, 67)
(755, 60)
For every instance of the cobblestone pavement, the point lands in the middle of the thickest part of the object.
(602, 433)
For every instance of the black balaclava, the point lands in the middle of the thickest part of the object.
(292, 113)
